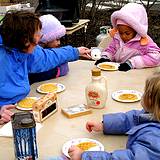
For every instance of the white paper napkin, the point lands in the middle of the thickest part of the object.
(6, 130)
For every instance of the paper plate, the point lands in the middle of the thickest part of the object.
(127, 95)
(83, 143)
(108, 66)
(26, 104)
(51, 87)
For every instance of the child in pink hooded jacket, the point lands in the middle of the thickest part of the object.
(131, 46)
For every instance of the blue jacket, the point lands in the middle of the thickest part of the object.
(143, 137)
(15, 66)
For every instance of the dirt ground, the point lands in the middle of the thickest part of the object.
(102, 18)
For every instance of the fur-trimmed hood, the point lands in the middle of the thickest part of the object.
(134, 15)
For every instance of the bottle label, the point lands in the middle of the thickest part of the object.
(94, 98)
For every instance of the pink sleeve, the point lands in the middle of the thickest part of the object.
(110, 50)
(150, 57)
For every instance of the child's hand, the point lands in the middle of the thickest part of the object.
(6, 113)
(84, 52)
(102, 60)
(124, 67)
(75, 153)
(94, 126)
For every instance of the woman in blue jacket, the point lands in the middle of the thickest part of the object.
(20, 54)
(142, 128)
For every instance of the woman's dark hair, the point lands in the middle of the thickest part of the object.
(18, 28)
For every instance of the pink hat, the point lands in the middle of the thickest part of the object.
(119, 21)
(134, 15)
(52, 29)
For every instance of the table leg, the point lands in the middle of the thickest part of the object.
(85, 37)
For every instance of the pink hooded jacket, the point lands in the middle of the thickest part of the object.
(140, 56)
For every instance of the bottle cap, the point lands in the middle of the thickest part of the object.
(27, 122)
(96, 72)
(23, 120)
(103, 30)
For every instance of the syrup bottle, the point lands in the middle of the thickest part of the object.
(96, 90)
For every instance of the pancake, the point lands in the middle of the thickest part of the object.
(86, 145)
(27, 102)
(107, 66)
(128, 96)
(48, 87)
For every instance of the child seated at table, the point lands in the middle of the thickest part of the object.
(130, 45)
(52, 30)
(20, 32)
(142, 128)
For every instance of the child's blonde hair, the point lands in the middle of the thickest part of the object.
(151, 97)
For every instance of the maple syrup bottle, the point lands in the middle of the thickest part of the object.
(96, 90)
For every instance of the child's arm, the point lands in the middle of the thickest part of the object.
(142, 148)
(102, 155)
(119, 123)
(46, 59)
(110, 51)
(143, 144)
(150, 57)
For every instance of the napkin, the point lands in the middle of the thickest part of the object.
(6, 130)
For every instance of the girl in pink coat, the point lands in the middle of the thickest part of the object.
(131, 46)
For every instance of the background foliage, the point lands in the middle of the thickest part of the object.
(99, 12)
(101, 17)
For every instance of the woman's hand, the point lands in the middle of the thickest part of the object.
(75, 153)
(94, 126)
(84, 52)
(6, 113)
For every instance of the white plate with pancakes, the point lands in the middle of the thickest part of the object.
(26, 104)
(108, 66)
(86, 144)
(50, 87)
(127, 95)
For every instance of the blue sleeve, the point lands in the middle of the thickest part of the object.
(145, 146)
(102, 155)
(45, 59)
(119, 123)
